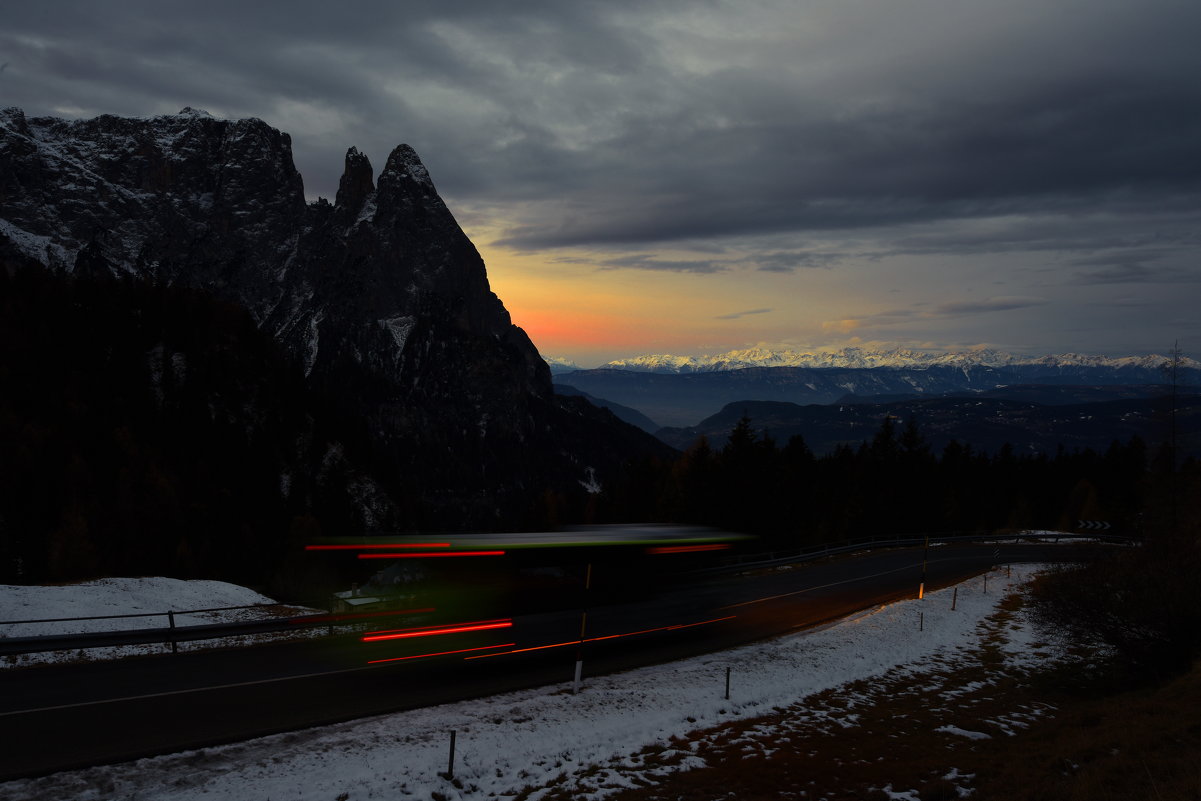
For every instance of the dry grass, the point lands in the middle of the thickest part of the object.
(978, 723)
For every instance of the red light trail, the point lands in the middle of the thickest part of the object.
(675, 627)
(428, 555)
(430, 631)
(441, 653)
(365, 545)
(687, 548)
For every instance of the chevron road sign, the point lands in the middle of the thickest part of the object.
(1092, 525)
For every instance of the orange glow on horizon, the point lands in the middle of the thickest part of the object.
(568, 328)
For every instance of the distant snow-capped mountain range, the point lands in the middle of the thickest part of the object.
(859, 358)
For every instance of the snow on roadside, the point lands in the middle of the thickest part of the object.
(148, 598)
(534, 738)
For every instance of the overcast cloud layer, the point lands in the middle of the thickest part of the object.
(703, 137)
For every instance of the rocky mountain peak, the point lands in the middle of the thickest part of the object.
(405, 183)
(356, 184)
(13, 117)
(381, 299)
(405, 164)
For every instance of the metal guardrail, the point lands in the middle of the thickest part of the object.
(776, 558)
(173, 634)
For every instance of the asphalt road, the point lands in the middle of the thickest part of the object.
(55, 718)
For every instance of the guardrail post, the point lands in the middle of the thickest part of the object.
(171, 620)
(450, 768)
(727, 684)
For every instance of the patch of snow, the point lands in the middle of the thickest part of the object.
(971, 735)
(399, 328)
(112, 596)
(313, 342)
(39, 248)
(590, 484)
(146, 600)
(367, 213)
(529, 739)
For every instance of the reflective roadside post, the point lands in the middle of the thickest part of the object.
(579, 652)
(921, 588)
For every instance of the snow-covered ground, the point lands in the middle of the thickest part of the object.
(145, 600)
(586, 743)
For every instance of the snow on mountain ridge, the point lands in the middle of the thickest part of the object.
(862, 358)
(559, 364)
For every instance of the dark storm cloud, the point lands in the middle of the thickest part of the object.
(788, 261)
(623, 124)
(1141, 266)
(741, 314)
(646, 261)
(923, 312)
(986, 306)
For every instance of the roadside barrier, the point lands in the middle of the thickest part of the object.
(174, 634)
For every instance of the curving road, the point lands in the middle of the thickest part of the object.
(61, 717)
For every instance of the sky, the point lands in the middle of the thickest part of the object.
(695, 177)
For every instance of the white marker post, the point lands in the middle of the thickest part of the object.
(579, 652)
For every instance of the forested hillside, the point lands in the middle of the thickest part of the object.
(892, 483)
(146, 429)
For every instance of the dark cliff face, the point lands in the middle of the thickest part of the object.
(380, 297)
(218, 205)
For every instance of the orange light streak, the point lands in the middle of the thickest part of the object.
(674, 627)
(441, 653)
(377, 545)
(687, 548)
(427, 555)
(430, 631)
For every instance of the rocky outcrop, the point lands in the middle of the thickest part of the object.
(380, 297)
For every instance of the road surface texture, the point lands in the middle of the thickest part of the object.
(60, 717)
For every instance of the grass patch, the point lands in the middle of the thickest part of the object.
(979, 722)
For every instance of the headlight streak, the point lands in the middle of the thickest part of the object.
(576, 642)
(431, 631)
(339, 617)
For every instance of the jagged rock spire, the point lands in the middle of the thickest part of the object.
(356, 184)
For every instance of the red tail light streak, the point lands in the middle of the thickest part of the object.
(687, 548)
(576, 642)
(428, 554)
(432, 631)
(367, 545)
(441, 653)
